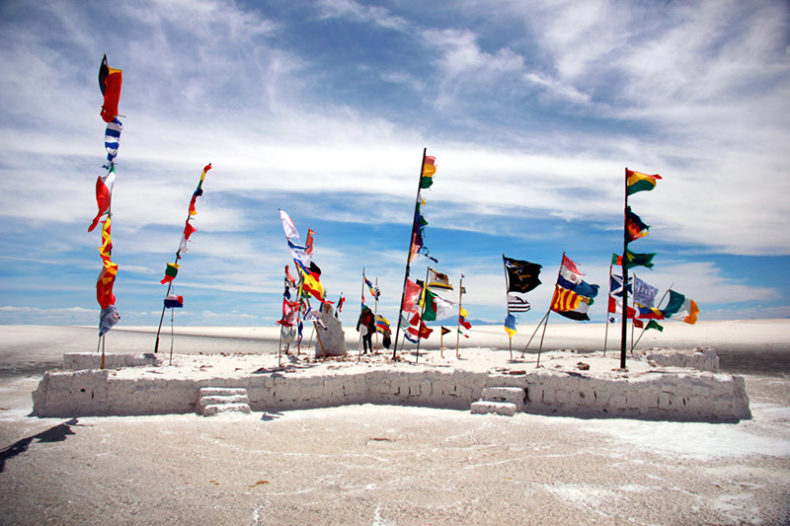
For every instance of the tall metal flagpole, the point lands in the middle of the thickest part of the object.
(624, 265)
(408, 256)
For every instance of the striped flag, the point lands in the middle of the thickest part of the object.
(112, 138)
(517, 304)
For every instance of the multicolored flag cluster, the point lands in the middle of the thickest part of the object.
(572, 295)
(309, 272)
(110, 81)
(419, 224)
(520, 277)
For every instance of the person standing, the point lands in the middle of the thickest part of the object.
(366, 326)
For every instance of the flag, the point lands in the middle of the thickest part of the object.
(522, 276)
(569, 304)
(375, 291)
(171, 271)
(172, 301)
(382, 323)
(288, 226)
(437, 280)
(108, 318)
(340, 303)
(197, 193)
(411, 296)
(105, 250)
(311, 283)
(104, 284)
(510, 325)
(616, 285)
(638, 182)
(436, 307)
(634, 227)
(445, 330)
(308, 246)
(313, 316)
(681, 306)
(517, 304)
(634, 259)
(417, 229)
(188, 231)
(110, 80)
(289, 277)
(299, 254)
(104, 186)
(615, 307)
(652, 324)
(648, 313)
(644, 293)
(417, 327)
(112, 138)
(571, 278)
(428, 169)
(462, 315)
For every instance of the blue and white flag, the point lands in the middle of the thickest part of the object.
(112, 138)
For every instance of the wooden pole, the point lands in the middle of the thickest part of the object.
(102, 350)
(172, 334)
(376, 317)
(624, 261)
(559, 272)
(361, 309)
(609, 295)
(408, 256)
(507, 306)
(542, 320)
(458, 329)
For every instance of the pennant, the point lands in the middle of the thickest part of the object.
(174, 302)
(517, 304)
(108, 318)
(522, 276)
(445, 330)
(639, 182)
(437, 280)
(428, 169)
(634, 227)
(171, 271)
(308, 246)
(104, 186)
(510, 325)
(110, 80)
(112, 138)
(644, 293)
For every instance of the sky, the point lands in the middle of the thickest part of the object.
(533, 110)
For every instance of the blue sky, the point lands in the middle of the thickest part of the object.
(322, 108)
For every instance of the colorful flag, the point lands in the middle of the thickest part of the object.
(417, 327)
(104, 284)
(290, 312)
(110, 80)
(634, 259)
(634, 227)
(445, 330)
(382, 324)
(644, 293)
(437, 280)
(615, 307)
(108, 318)
(411, 296)
(510, 325)
(522, 276)
(517, 304)
(174, 302)
(652, 324)
(428, 169)
(436, 307)
(375, 291)
(188, 231)
(171, 271)
(569, 304)
(308, 246)
(104, 186)
(638, 181)
(616, 285)
(112, 138)
(582, 288)
(462, 315)
(648, 313)
(681, 306)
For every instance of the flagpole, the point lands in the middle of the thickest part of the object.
(624, 266)
(546, 324)
(507, 306)
(178, 256)
(460, 306)
(361, 310)
(408, 256)
(376, 317)
(422, 313)
(606, 331)
(535, 331)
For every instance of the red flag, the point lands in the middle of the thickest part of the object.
(308, 246)
(104, 187)
(188, 229)
(110, 81)
(411, 296)
(104, 284)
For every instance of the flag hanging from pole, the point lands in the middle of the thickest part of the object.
(374, 291)
(462, 321)
(112, 139)
(174, 302)
(428, 169)
(110, 81)
(108, 318)
(634, 226)
(681, 306)
(104, 186)
(639, 182)
(522, 276)
(634, 259)
(510, 325)
(171, 271)
(644, 293)
(517, 304)
(437, 280)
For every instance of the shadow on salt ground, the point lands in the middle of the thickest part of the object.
(57, 433)
(268, 417)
